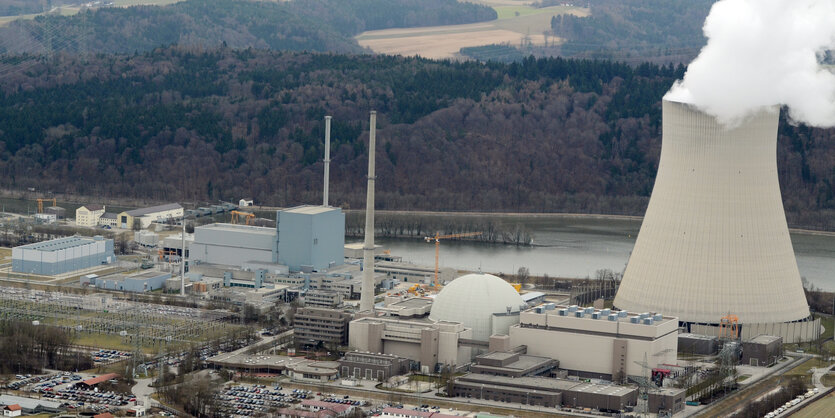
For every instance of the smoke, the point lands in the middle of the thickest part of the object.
(761, 53)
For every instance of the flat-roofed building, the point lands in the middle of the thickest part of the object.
(410, 307)
(372, 366)
(597, 343)
(62, 255)
(311, 237)
(233, 245)
(545, 391)
(512, 364)
(315, 326)
(149, 215)
(666, 400)
(413, 273)
(763, 350)
(109, 219)
(88, 215)
(430, 343)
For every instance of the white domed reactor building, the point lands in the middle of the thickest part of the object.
(483, 302)
(714, 240)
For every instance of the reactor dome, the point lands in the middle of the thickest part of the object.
(483, 302)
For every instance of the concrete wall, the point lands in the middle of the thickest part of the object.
(792, 332)
(311, 237)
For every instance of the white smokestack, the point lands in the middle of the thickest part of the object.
(327, 158)
(762, 53)
(367, 296)
(183, 261)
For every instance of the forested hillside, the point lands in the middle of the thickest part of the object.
(300, 25)
(642, 28)
(189, 125)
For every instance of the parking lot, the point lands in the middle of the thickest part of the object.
(61, 387)
(247, 400)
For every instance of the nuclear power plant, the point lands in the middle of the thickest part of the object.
(714, 240)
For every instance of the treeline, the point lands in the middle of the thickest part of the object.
(27, 348)
(620, 29)
(299, 25)
(186, 124)
(422, 226)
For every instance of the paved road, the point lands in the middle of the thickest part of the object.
(142, 390)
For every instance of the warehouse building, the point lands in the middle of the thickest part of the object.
(142, 282)
(698, 344)
(545, 391)
(147, 216)
(311, 237)
(597, 343)
(88, 215)
(233, 245)
(666, 400)
(512, 364)
(109, 219)
(62, 255)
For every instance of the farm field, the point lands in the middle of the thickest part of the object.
(71, 10)
(517, 24)
(821, 408)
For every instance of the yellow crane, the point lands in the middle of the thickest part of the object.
(437, 239)
(40, 203)
(237, 215)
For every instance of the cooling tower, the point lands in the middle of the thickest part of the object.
(714, 239)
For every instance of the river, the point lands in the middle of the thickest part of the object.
(579, 246)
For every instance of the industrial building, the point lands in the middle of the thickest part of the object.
(142, 282)
(512, 364)
(322, 298)
(62, 255)
(482, 302)
(88, 215)
(373, 366)
(149, 215)
(297, 368)
(430, 343)
(311, 237)
(109, 219)
(666, 400)
(315, 326)
(413, 273)
(764, 350)
(233, 245)
(698, 344)
(597, 343)
(714, 239)
(545, 391)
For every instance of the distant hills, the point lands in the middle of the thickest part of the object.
(298, 25)
(186, 124)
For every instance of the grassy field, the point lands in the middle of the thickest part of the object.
(828, 379)
(446, 41)
(823, 407)
(71, 10)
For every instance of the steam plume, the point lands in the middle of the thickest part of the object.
(761, 53)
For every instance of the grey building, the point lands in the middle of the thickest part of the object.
(62, 255)
(233, 245)
(311, 237)
(143, 282)
(666, 400)
(313, 326)
(545, 391)
(322, 298)
(511, 364)
(698, 344)
(372, 366)
(763, 350)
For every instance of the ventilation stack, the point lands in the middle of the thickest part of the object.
(367, 295)
(327, 159)
(714, 239)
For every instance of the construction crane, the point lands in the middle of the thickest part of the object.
(437, 239)
(237, 215)
(40, 203)
(729, 327)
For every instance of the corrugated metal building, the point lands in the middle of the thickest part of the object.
(143, 282)
(311, 237)
(233, 245)
(62, 255)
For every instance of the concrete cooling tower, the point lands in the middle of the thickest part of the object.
(714, 240)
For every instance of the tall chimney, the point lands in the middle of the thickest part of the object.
(183, 261)
(327, 158)
(367, 296)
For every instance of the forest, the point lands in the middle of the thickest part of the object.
(193, 125)
(299, 25)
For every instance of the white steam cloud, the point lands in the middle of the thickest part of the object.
(761, 53)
